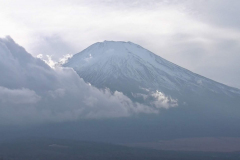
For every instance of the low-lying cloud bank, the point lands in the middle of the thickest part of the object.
(33, 92)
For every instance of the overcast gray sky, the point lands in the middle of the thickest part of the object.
(201, 35)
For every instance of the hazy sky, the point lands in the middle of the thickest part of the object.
(201, 35)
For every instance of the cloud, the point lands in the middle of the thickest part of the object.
(18, 96)
(157, 99)
(33, 92)
(162, 101)
(221, 13)
(52, 63)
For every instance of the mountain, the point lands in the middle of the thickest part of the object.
(201, 107)
(131, 69)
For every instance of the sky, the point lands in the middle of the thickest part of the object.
(201, 35)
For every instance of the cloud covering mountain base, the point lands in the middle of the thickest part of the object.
(33, 92)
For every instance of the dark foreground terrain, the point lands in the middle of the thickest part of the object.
(201, 144)
(56, 149)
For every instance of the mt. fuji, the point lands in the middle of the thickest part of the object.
(191, 105)
(135, 71)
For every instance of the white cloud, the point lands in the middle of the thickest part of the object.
(157, 99)
(162, 101)
(65, 58)
(51, 62)
(35, 93)
(18, 96)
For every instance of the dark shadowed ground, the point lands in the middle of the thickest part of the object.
(56, 149)
(208, 144)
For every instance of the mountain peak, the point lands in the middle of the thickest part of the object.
(116, 49)
(119, 42)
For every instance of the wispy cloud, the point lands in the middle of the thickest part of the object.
(18, 96)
